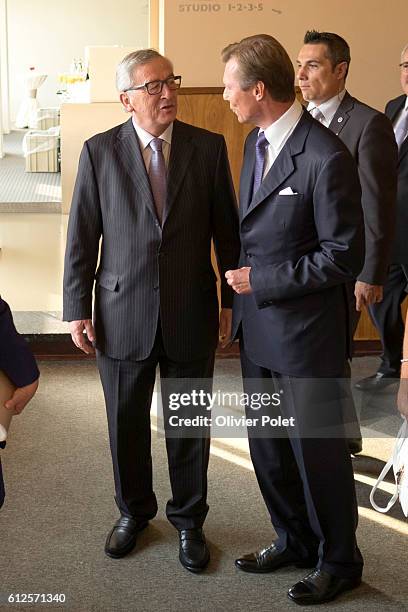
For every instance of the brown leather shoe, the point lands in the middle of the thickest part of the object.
(320, 586)
(122, 537)
(270, 559)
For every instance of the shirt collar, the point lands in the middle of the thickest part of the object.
(145, 138)
(406, 104)
(277, 132)
(329, 108)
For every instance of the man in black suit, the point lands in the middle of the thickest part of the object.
(323, 64)
(387, 314)
(18, 363)
(301, 242)
(156, 191)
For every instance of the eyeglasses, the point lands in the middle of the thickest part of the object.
(155, 87)
(404, 66)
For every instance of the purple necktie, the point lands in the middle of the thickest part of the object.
(260, 151)
(157, 176)
(402, 129)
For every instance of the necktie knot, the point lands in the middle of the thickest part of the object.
(317, 114)
(156, 144)
(261, 143)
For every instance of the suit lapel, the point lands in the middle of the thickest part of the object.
(182, 148)
(342, 114)
(129, 153)
(283, 165)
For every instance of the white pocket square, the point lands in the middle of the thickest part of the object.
(287, 191)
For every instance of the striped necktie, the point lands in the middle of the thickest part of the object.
(157, 176)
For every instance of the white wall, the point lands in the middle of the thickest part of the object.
(48, 34)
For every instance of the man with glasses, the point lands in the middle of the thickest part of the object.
(387, 314)
(157, 191)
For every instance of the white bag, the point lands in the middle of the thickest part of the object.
(399, 463)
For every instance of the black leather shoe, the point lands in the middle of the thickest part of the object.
(194, 554)
(270, 559)
(320, 586)
(122, 537)
(355, 445)
(376, 382)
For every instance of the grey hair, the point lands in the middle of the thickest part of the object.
(403, 51)
(125, 69)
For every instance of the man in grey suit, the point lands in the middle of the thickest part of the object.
(156, 191)
(387, 315)
(301, 241)
(323, 64)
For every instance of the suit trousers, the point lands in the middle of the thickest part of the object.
(387, 318)
(306, 482)
(128, 389)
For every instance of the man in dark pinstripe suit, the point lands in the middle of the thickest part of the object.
(156, 191)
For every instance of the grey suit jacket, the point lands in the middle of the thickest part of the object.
(302, 249)
(400, 246)
(369, 136)
(146, 271)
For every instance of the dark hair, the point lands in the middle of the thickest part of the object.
(337, 48)
(262, 58)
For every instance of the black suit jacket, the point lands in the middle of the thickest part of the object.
(400, 247)
(369, 137)
(144, 269)
(302, 249)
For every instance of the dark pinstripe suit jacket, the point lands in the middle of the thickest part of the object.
(146, 270)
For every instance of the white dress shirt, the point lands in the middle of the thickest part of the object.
(278, 133)
(329, 108)
(145, 138)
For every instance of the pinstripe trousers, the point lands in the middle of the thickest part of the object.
(128, 389)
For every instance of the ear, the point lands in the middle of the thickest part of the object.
(124, 98)
(341, 70)
(259, 90)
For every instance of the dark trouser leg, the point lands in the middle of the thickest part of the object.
(387, 318)
(277, 474)
(187, 456)
(128, 388)
(325, 468)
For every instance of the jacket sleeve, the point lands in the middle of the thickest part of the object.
(84, 232)
(377, 167)
(225, 223)
(338, 221)
(16, 358)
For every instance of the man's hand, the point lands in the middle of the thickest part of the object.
(21, 397)
(239, 280)
(402, 400)
(225, 327)
(81, 340)
(367, 294)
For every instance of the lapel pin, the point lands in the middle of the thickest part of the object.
(340, 119)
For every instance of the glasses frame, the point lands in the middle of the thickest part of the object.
(145, 86)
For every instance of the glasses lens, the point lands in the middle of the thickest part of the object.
(173, 82)
(404, 66)
(154, 87)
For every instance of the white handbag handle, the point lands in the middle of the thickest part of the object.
(402, 434)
